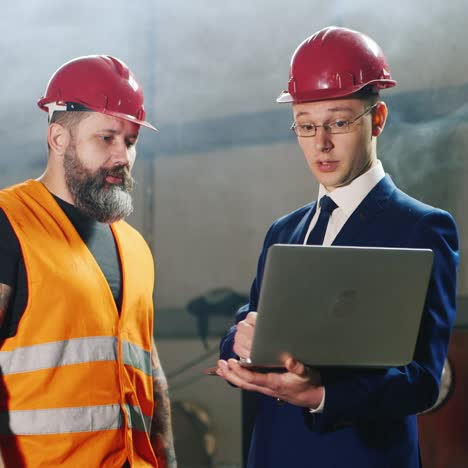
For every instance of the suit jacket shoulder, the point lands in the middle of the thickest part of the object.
(291, 228)
(389, 217)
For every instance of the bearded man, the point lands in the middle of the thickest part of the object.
(81, 382)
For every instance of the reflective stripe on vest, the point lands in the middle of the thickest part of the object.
(136, 357)
(74, 351)
(66, 420)
(138, 420)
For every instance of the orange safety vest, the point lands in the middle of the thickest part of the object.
(76, 387)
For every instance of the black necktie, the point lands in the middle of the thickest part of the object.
(316, 236)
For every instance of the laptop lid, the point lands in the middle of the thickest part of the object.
(341, 306)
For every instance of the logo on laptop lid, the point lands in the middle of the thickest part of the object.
(345, 304)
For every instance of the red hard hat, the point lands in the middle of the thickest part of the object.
(333, 63)
(99, 83)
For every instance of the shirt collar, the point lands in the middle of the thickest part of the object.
(349, 197)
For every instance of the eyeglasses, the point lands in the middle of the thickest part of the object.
(338, 126)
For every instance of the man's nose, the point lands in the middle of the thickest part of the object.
(323, 140)
(120, 153)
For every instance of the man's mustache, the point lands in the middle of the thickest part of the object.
(118, 171)
(121, 172)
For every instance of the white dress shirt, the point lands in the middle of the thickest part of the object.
(348, 198)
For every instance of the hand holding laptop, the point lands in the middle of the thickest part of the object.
(299, 385)
(243, 340)
(296, 384)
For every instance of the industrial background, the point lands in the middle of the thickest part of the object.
(225, 165)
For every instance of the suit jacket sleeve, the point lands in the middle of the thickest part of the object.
(355, 396)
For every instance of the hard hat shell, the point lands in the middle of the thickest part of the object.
(99, 83)
(335, 62)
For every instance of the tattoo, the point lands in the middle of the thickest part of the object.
(161, 428)
(5, 296)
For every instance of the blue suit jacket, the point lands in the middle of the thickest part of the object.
(369, 416)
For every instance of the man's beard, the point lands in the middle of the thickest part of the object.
(91, 193)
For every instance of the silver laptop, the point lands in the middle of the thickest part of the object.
(341, 306)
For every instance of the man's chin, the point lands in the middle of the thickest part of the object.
(110, 218)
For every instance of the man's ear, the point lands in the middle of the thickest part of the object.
(58, 138)
(379, 117)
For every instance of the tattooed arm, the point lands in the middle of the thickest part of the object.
(161, 428)
(5, 295)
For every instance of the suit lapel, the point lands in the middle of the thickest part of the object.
(374, 202)
(299, 233)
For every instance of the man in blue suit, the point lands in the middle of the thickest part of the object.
(346, 417)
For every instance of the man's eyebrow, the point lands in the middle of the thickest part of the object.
(340, 108)
(331, 109)
(118, 132)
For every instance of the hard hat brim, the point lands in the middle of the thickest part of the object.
(43, 102)
(331, 93)
(132, 119)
